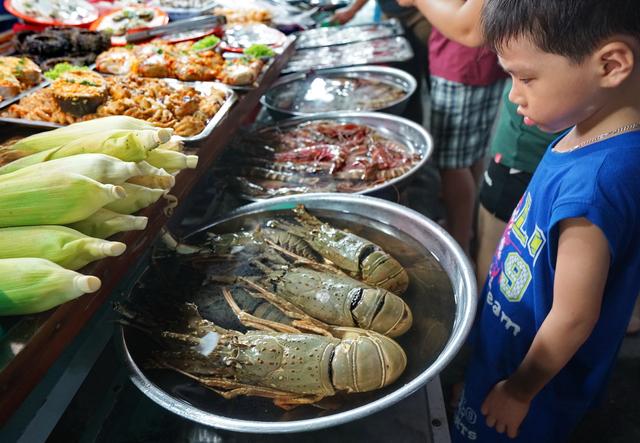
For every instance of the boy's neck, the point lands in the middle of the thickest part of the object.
(619, 114)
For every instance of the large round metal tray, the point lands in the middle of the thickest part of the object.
(442, 296)
(400, 129)
(302, 82)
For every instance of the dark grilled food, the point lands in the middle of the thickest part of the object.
(57, 42)
(79, 92)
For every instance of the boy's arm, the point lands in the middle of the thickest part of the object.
(458, 20)
(581, 272)
(345, 15)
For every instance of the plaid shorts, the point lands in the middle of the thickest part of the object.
(461, 120)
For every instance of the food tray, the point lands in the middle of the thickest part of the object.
(330, 36)
(442, 296)
(383, 50)
(199, 86)
(299, 84)
(267, 66)
(399, 129)
(186, 12)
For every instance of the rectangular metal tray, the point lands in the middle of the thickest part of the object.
(331, 36)
(352, 54)
(202, 87)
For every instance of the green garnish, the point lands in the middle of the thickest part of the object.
(259, 51)
(60, 69)
(204, 43)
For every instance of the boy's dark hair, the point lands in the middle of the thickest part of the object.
(570, 28)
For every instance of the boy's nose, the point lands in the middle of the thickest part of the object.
(514, 95)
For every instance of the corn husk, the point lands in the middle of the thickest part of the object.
(104, 223)
(171, 160)
(61, 136)
(138, 197)
(32, 285)
(54, 199)
(61, 245)
(125, 145)
(99, 167)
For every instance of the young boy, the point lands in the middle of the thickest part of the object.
(564, 278)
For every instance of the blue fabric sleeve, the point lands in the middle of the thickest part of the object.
(607, 219)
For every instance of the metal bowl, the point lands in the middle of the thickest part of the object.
(442, 295)
(299, 84)
(396, 128)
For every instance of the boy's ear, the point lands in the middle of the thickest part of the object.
(615, 62)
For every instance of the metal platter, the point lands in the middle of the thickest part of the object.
(399, 129)
(15, 98)
(382, 50)
(330, 36)
(442, 296)
(202, 87)
(296, 87)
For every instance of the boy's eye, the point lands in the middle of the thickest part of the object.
(524, 81)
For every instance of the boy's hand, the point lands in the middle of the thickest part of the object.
(503, 410)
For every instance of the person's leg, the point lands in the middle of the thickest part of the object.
(490, 230)
(458, 196)
(634, 323)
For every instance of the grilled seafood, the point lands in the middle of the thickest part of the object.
(290, 368)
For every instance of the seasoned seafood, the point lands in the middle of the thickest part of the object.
(16, 75)
(290, 368)
(319, 155)
(159, 59)
(169, 105)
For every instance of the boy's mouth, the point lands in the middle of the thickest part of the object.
(527, 121)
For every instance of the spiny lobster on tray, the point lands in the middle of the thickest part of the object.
(331, 334)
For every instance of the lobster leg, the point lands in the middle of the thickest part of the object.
(231, 389)
(301, 319)
(252, 321)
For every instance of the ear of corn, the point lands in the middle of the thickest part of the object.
(31, 285)
(171, 160)
(55, 199)
(154, 181)
(99, 167)
(124, 145)
(138, 197)
(104, 223)
(61, 245)
(61, 136)
(173, 145)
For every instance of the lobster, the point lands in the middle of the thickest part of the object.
(315, 298)
(357, 256)
(290, 368)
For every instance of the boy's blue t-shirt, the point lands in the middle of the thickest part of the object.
(600, 182)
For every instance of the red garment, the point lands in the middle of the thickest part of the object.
(458, 63)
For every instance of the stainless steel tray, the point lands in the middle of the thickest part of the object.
(203, 87)
(331, 36)
(383, 50)
(8, 101)
(400, 129)
(301, 82)
(442, 296)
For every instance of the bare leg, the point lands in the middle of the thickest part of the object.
(459, 194)
(490, 230)
(634, 323)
